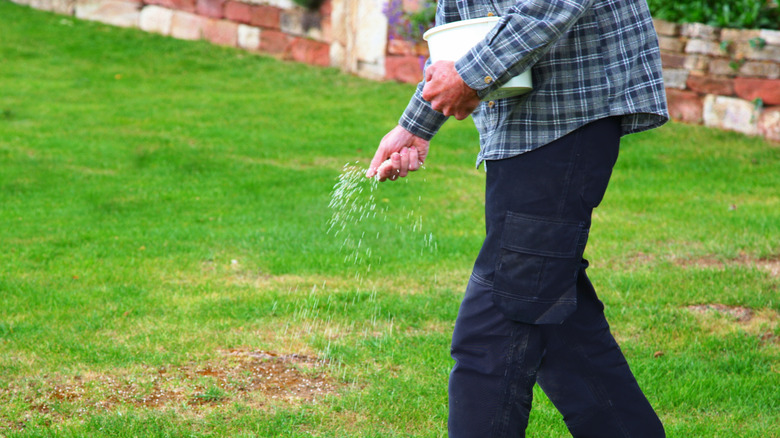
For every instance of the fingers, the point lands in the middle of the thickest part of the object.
(398, 165)
(404, 170)
(414, 159)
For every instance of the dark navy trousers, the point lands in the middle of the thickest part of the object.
(530, 314)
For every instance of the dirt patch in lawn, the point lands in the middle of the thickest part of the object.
(768, 264)
(721, 319)
(257, 379)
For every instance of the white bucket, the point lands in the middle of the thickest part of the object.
(451, 41)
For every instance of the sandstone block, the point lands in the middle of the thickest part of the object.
(156, 19)
(769, 124)
(761, 69)
(281, 4)
(685, 106)
(675, 78)
(181, 5)
(113, 12)
(248, 37)
(187, 26)
(338, 55)
(238, 11)
(673, 60)
(222, 32)
(721, 86)
(731, 113)
(768, 90)
(766, 53)
(723, 67)
(771, 37)
(401, 47)
(310, 52)
(699, 31)
(738, 35)
(671, 44)
(210, 8)
(705, 47)
(274, 41)
(405, 68)
(696, 63)
(267, 17)
(666, 28)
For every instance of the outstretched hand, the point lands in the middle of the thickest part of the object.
(399, 153)
(446, 91)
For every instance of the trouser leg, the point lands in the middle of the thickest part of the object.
(587, 378)
(491, 383)
(497, 347)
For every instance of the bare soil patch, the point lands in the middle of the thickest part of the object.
(769, 264)
(254, 378)
(762, 323)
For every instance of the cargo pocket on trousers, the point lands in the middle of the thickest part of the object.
(536, 273)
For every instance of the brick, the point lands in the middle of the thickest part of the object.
(210, 8)
(704, 47)
(731, 113)
(769, 123)
(267, 17)
(156, 19)
(404, 68)
(675, 78)
(760, 69)
(238, 12)
(187, 26)
(768, 90)
(666, 28)
(222, 32)
(699, 31)
(115, 13)
(711, 85)
(248, 37)
(310, 52)
(671, 44)
(274, 41)
(685, 106)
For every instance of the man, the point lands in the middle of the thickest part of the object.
(530, 314)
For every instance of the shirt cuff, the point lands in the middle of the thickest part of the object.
(482, 70)
(420, 119)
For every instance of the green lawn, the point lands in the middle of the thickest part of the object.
(167, 270)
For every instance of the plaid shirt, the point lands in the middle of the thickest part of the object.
(589, 59)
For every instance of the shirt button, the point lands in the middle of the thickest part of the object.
(491, 104)
(488, 79)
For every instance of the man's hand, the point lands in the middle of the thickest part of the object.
(405, 151)
(446, 91)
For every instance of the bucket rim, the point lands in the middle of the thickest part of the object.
(455, 24)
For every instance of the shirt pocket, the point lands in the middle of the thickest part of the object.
(536, 273)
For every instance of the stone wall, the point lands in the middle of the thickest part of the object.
(725, 78)
(349, 34)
